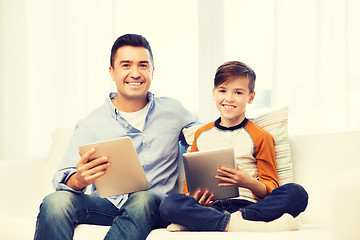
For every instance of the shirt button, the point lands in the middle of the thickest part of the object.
(126, 125)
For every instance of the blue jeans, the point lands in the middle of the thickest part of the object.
(184, 210)
(62, 211)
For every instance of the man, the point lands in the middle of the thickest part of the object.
(154, 125)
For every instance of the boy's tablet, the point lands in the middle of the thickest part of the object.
(125, 174)
(200, 170)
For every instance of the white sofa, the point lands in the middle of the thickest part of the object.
(327, 165)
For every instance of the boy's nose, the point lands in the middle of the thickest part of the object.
(229, 97)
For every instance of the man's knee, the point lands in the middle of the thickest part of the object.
(57, 204)
(146, 198)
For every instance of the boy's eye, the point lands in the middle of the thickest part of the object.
(221, 90)
(239, 93)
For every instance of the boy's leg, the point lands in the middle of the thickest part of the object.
(62, 211)
(289, 198)
(137, 217)
(186, 211)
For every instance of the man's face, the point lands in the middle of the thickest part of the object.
(231, 99)
(132, 73)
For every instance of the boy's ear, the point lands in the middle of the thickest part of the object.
(213, 90)
(251, 98)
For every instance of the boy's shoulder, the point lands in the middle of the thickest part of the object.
(256, 131)
(205, 127)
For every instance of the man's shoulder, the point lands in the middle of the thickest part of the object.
(96, 115)
(167, 101)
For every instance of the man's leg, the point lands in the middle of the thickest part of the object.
(137, 217)
(61, 211)
(186, 211)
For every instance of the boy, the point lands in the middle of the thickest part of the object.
(262, 204)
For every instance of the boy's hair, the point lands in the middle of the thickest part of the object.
(133, 40)
(233, 69)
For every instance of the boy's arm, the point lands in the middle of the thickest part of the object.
(266, 162)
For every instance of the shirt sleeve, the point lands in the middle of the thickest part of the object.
(266, 162)
(194, 148)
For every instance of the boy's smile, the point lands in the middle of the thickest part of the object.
(231, 99)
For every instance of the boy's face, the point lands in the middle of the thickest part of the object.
(132, 72)
(231, 98)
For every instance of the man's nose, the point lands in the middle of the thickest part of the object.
(134, 72)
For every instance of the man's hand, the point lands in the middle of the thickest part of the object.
(88, 171)
(204, 198)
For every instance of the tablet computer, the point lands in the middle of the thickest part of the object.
(200, 170)
(125, 174)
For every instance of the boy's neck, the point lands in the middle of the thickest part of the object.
(218, 124)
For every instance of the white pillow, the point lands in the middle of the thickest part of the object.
(276, 123)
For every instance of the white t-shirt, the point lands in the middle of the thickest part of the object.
(136, 119)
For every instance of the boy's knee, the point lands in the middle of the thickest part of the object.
(169, 206)
(298, 195)
(298, 191)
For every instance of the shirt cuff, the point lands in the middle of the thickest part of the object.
(61, 178)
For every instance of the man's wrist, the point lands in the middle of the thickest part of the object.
(73, 183)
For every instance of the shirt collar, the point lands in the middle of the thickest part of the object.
(241, 125)
(114, 112)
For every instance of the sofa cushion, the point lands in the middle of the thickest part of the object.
(276, 123)
(61, 138)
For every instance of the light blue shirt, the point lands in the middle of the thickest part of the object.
(157, 145)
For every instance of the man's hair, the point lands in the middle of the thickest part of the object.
(233, 69)
(133, 40)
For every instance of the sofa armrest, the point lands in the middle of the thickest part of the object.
(22, 186)
(345, 199)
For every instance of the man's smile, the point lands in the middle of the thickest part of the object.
(134, 84)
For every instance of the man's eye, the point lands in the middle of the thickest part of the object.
(143, 66)
(125, 65)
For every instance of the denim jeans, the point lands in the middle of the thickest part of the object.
(62, 211)
(184, 210)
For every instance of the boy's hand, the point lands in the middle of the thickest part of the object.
(88, 170)
(233, 177)
(204, 198)
(240, 178)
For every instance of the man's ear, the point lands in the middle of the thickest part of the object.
(111, 71)
(152, 73)
(251, 98)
